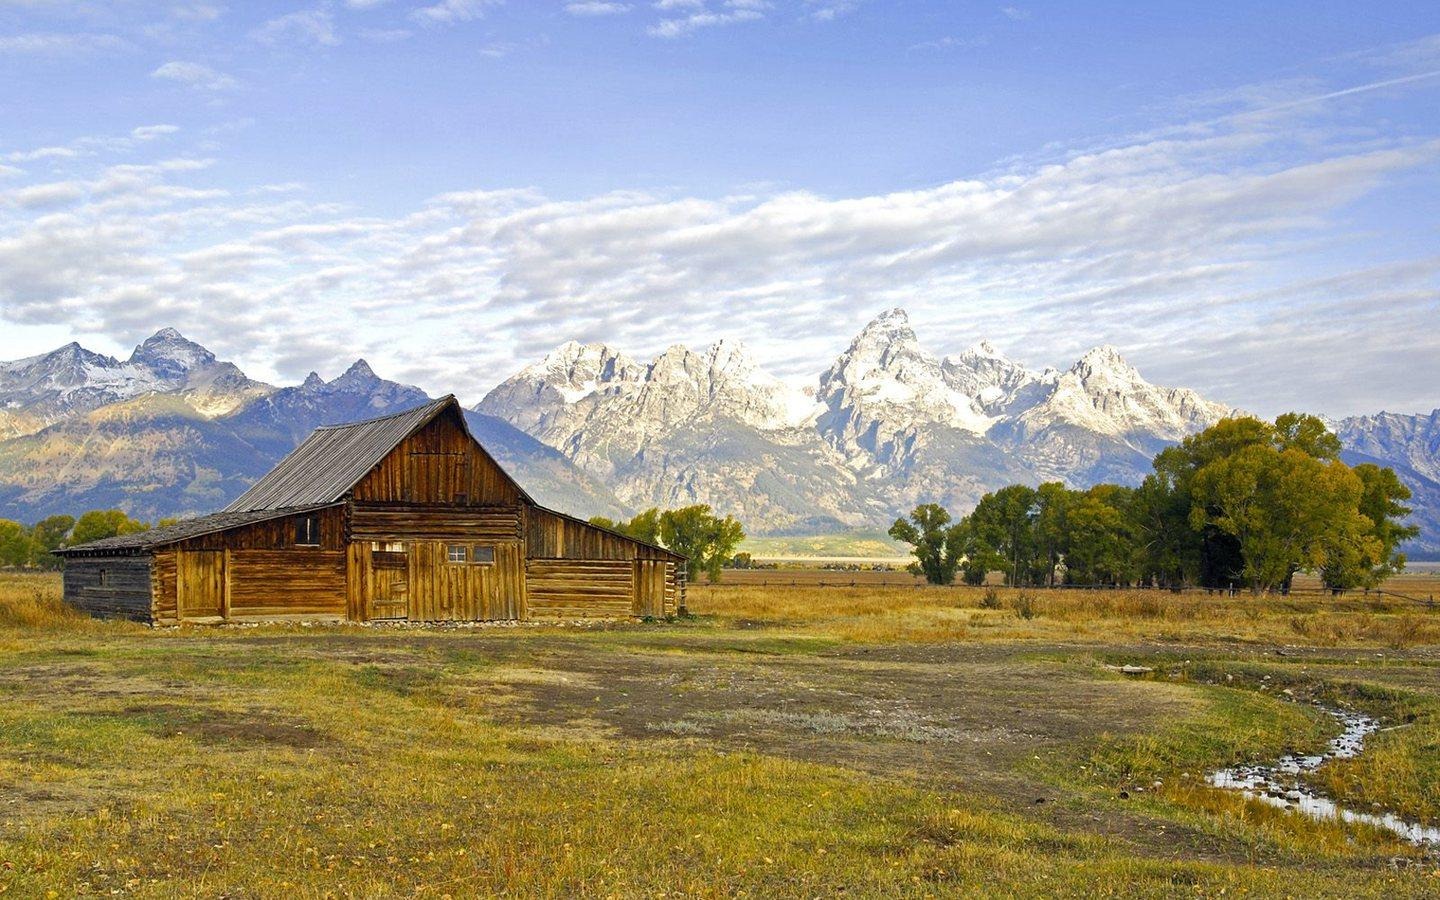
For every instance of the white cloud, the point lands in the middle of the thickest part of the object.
(1163, 245)
(195, 75)
(93, 144)
(827, 10)
(196, 11)
(60, 44)
(949, 42)
(1015, 13)
(45, 196)
(697, 15)
(306, 26)
(449, 12)
(596, 8)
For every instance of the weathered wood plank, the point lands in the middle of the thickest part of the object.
(115, 587)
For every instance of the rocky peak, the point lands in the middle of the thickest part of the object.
(170, 355)
(1105, 395)
(996, 383)
(359, 374)
(1107, 364)
(575, 369)
(885, 389)
(886, 342)
(57, 367)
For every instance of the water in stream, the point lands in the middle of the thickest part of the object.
(1278, 783)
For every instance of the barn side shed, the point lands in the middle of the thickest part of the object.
(400, 518)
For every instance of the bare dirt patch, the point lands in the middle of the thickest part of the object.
(224, 727)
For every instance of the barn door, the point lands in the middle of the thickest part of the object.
(649, 588)
(389, 584)
(201, 585)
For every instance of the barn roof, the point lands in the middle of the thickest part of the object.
(330, 462)
(180, 531)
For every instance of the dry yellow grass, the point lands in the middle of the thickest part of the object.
(342, 761)
(910, 614)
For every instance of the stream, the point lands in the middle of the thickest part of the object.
(1278, 783)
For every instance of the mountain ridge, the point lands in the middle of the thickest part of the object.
(587, 428)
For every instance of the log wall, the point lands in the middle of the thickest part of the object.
(591, 588)
(578, 589)
(277, 584)
(112, 587)
(163, 586)
(401, 522)
(253, 573)
(553, 536)
(439, 464)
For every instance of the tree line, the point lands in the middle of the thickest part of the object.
(1245, 502)
(694, 532)
(29, 546)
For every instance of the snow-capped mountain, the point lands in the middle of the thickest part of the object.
(686, 427)
(885, 388)
(998, 385)
(42, 389)
(1101, 421)
(1410, 444)
(887, 425)
(1411, 440)
(601, 408)
(173, 431)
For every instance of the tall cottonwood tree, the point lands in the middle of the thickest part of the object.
(937, 544)
(1243, 501)
(707, 540)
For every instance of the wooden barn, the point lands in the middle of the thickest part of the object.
(401, 518)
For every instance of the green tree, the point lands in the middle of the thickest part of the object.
(1052, 529)
(1100, 544)
(1306, 433)
(1166, 544)
(643, 526)
(47, 535)
(1375, 556)
(103, 523)
(938, 545)
(706, 539)
(1287, 509)
(1003, 532)
(16, 547)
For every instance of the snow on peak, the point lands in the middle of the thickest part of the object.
(1103, 393)
(577, 370)
(886, 382)
(170, 355)
(982, 349)
(359, 371)
(1102, 360)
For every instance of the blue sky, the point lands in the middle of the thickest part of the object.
(1244, 198)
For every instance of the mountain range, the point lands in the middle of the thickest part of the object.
(174, 431)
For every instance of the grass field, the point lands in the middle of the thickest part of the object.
(870, 741)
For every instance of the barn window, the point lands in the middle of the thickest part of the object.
(104, 577)
(482, 555)
(307, 531)
(455, 553)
